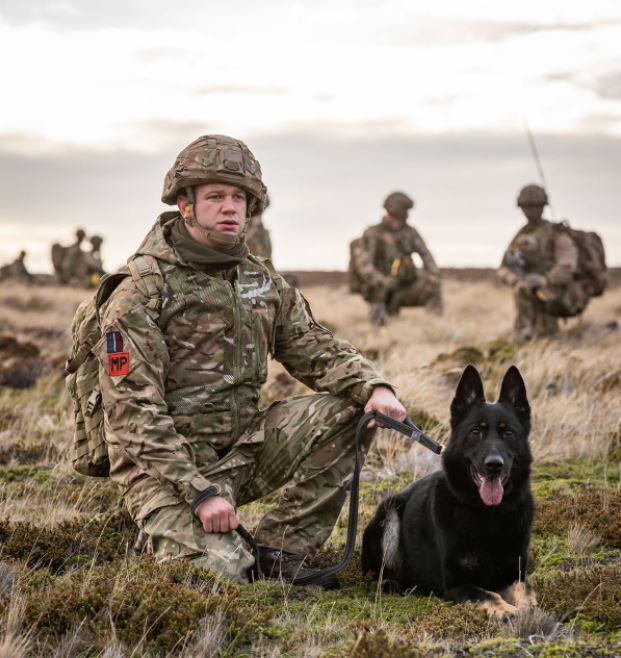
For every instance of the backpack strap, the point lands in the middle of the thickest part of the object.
(107, 284)
(146, 273)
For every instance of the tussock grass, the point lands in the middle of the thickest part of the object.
(69, 585)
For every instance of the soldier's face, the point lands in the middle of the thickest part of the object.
(533, 213)
(395, 223)
(217, 207)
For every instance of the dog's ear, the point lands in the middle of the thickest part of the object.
(513, 392)
(469, 391)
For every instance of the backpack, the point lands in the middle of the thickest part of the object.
(354, 279)
(592, 269)
(89, 449)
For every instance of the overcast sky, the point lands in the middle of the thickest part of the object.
(341, 103)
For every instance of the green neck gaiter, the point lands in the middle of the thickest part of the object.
(204, 256)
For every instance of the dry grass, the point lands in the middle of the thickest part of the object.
(49, 513)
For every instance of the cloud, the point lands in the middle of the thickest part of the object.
(325, 188)
(608, 86)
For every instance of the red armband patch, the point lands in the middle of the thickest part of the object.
(118, 364)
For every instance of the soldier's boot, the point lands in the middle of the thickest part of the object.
(379, 314)
(282, 565)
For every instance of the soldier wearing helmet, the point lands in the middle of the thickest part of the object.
(382, 269)
(89, 269)
(541, 264)
(67, 261)
(195, 320)
(16, 270)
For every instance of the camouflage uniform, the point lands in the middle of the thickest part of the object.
(184, 417)
(89, 267)
(258, 238)
(543, 248)
(382, 269)
(68, 261)
(16, 270)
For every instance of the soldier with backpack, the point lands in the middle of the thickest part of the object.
(381, 267)
(166, 369)
(553, 268)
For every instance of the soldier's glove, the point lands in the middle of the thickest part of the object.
(532, 282)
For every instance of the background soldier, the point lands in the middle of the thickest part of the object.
(541, 264)
(258, 237)
(194, 325)
(66, 260)
(16, 270)
(381, 266)
(89, 267)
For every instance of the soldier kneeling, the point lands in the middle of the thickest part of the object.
(381, 268)
(554, 269)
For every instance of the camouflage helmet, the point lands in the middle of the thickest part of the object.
(532, 195)
(96, 241)
(216, 159)
(397, 204)
(80, 234)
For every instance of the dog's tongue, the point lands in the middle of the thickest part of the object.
(491, 491)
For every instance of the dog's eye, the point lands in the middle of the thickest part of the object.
(507, 432)
(475, 431)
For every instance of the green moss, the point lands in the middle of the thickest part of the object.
(17, 473)
(599, 510)
(592, 593)
(146, 604)
(70, 544)
(501, 351)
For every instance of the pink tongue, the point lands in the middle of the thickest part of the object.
(491, 491)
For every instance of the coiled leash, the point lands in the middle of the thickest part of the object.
(407, 428)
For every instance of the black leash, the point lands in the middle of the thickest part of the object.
(407, 428)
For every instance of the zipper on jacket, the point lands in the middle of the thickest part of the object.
(258, 356)
(237, 356)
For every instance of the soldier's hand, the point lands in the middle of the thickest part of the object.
(533, 281)
(217, 515)
(384, 400)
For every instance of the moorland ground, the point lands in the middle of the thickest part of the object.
(70, 586)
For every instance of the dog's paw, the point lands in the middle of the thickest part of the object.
(496, 606)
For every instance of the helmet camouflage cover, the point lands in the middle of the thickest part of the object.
(532, 195)
(397, 204)
(216, 159)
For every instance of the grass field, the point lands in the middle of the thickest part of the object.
(69, 585)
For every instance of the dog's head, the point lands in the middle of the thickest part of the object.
(488, 457)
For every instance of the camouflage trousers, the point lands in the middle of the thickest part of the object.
(306, 443)
(537, 314)
(425, 291)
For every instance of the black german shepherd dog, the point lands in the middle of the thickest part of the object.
(462, 533)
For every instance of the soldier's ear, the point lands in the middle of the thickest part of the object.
(186, 208)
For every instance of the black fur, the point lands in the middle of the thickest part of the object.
(451, 543)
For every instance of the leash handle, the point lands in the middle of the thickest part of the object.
(407, 428)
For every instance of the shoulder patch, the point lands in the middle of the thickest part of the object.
(114, 341)
(118, 364)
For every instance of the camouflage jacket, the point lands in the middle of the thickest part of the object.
(384, 253)
(196, 364)
(258, 239)
(543, 249)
